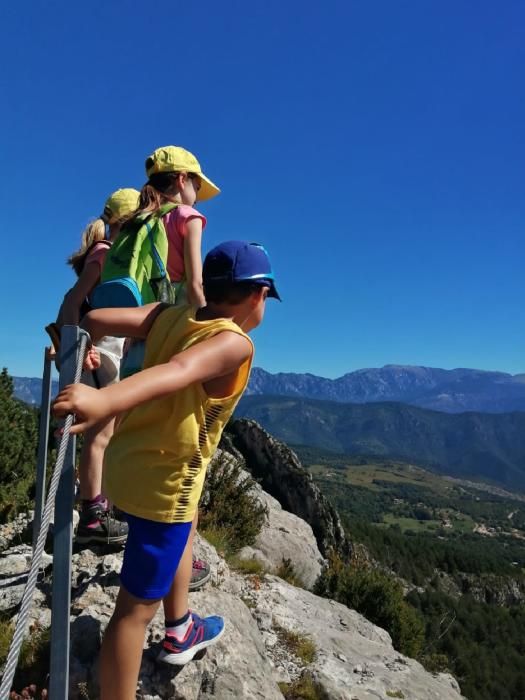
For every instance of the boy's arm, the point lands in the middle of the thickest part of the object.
(216, 357)
(134, 322)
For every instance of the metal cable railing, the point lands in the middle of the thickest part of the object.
(21, 622)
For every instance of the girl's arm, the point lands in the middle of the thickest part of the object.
(69, 313)
(132, 322)
(193, 262)
(216, 357)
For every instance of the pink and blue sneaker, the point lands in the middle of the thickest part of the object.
(202, 633)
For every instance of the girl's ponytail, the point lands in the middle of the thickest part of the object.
(158, 190)
(94, 232)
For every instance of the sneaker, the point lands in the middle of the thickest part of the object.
(200, 573)
(98, 526)
(202, 633)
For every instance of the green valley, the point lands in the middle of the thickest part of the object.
(458, 551)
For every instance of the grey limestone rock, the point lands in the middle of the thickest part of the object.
(286, 537)
(282, 475)
(353, 659)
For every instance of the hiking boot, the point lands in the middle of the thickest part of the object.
(200, 573)
(98, 526)
(202, 633)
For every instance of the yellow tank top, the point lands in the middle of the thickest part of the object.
(156, 462)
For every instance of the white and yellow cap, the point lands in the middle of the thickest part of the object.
(174, 159)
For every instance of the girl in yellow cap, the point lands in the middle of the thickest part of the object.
(175, 175)
(96, 525)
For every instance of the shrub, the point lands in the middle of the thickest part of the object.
(287, 572)
(33, 661)
(299, 644)
(230, 504)
(247, 566)
(304, 688)
(376, 596)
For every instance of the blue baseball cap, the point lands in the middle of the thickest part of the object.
(239, 261)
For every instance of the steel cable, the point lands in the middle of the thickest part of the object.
(20, 629)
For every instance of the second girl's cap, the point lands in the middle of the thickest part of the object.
(175, 159)
(120, 204)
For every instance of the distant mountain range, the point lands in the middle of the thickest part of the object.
(490, 447)
(451, 391)
(29, 389)
(370, 413)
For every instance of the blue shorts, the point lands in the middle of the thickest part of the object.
(152, 555)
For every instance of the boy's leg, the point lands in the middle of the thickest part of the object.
(152, 555)
(176, 602)
(186, 632)
(121, 651)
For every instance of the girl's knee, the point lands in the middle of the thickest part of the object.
(96, 439)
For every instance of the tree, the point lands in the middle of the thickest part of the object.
(18, 446)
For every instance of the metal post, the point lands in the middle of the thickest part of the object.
(63, 537)
(43, 435)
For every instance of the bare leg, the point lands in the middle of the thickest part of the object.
(92, 458)
(121, 651)
(176, 601)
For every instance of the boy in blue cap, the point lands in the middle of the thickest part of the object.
(196, 367)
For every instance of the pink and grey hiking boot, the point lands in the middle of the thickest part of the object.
(200, 573)
(98, 526)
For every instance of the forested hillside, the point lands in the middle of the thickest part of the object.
(486, 446)
(459, 553)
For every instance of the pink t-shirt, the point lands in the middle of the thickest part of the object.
(175, 225)
(98, 253)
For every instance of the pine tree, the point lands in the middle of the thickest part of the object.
(18, 445)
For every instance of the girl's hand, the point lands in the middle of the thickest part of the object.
(88, 405)
(92, 360)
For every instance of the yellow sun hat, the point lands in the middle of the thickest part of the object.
(174, 159)
(120, 204)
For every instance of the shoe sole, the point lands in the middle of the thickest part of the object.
(90, 540)
(198, 584)
(183, 657)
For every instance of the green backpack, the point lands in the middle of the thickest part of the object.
(134, 271)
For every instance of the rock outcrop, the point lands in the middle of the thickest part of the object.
(285, 538)
(277, 634)
(351, 659)
(278, 469)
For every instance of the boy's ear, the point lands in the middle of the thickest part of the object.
(257, 296)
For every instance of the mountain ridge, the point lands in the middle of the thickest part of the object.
(490, 447)
(450, 391)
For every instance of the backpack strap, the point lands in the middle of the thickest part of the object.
(166, 208)
(158, 214)
(158, 259)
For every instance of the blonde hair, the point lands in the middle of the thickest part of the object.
(94, 232)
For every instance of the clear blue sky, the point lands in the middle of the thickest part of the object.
(376, 148)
